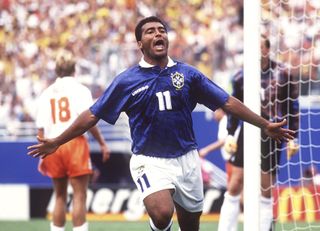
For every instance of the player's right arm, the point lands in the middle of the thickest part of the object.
(84, 122)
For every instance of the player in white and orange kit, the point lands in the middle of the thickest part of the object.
(59, 105)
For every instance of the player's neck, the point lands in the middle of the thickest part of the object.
(161, 62)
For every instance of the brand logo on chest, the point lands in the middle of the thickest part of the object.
(140, 90)
(177, 80)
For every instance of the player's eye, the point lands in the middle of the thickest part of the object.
(150, 31)
(162, 30)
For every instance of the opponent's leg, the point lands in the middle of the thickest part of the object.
(59, 211)
(231, 204)
(79, 185)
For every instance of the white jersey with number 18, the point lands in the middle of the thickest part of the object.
(60, 104)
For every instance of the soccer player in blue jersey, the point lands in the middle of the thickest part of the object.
(158, 95)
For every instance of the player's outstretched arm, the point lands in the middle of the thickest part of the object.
(85, 121)
(274, 130)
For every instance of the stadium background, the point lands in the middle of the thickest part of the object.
(204, 33)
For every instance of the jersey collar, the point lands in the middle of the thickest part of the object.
(64, 77)
(144, 64)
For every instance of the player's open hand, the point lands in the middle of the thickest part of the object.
(278, 133)
(43, 148)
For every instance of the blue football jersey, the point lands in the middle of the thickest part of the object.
(159, 103)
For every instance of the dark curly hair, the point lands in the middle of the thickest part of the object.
(138, 30)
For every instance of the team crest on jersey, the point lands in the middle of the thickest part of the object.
(177, 80)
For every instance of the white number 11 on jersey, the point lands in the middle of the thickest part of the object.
(164, 99)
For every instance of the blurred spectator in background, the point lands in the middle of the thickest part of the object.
(293, 29)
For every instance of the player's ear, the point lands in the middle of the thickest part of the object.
(139, 44)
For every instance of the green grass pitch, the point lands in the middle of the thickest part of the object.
(43, 225)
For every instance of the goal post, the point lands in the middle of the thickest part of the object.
(292, 27)
(251, 65)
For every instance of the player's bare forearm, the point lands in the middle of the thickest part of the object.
(274, 130)
(241, 111)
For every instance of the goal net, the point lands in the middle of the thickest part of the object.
(293, 28)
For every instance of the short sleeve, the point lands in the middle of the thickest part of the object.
(208, 93)
(109, 106)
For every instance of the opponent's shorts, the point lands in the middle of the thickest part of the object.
(270, 153)
(70, 160)
(183, 174)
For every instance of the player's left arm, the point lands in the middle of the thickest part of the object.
(274, 130)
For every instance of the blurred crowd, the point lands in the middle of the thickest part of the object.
(204, 33)
(207, 34)
(293, 27)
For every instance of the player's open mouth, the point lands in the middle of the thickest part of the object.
(159, 45)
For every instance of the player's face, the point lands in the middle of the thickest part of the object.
(154, 41)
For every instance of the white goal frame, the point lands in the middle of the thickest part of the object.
(251, 64)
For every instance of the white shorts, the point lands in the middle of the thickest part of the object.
(183, 174)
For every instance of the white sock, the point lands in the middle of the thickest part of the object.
(83, 227)
(229, 213)
(266, 213)
(55, 228)
(154, 228)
